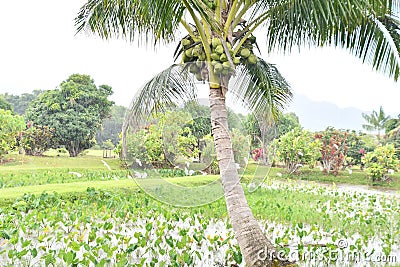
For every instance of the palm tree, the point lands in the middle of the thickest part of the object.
(367, 28)
(376, 121)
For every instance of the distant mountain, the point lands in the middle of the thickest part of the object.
(315, 116)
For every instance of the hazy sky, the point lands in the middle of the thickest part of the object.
(39, 49)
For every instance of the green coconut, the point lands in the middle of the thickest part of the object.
(188, 52)
(193, 68)
(245, 53)
(219, 49)
(215, 56)
(214, 62)
(252, 59)
(216, 42)
(185, 58)
(226, 65)
(185, 42)
(218, 68)
(236, 60)
(223, 58)
(252, 39)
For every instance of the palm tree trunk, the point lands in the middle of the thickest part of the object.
(253, 244)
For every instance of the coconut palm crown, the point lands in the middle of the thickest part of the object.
(218, 40)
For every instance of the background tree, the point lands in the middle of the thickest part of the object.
(21, 102)
(392, 124)
(201, 125)
(357, 148)
(112, 125)
(376, 121)
(75, 112)
(10, 128)
(4, 104)
(286, 123)
(221, 40)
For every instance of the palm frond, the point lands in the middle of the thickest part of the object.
(155, 20)
(365, 27)
(262, 87)
(368, 127)
(167, 89)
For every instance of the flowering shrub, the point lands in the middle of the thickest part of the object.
(333, 149)
(257, 153)
(380, 162)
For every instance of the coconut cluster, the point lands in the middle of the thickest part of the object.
(212, 4)
(195, 56)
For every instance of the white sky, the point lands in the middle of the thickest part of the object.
(38, 50)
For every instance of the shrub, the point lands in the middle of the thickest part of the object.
(36, 139)
(11, 127)
(240, 146)
(296, 148)
(379, 162)
(333, 149)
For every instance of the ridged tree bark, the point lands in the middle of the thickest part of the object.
(255, 247)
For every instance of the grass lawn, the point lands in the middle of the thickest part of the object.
(92, 160)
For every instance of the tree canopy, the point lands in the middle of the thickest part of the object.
(112, 126)
(75, 111)
(377, 120)
(4, 104)
(20, 103)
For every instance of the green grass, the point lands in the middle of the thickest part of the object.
(7, 195)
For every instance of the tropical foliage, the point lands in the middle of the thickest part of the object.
(35, 140)
(165, 141)
(21, 102)
(112, 125)
(381, 162)
(296, 148)
(10, 128)
(4, 104)
(376, 121)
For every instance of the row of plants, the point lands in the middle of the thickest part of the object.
(127, 228)
(57, 176)
(334, 150)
